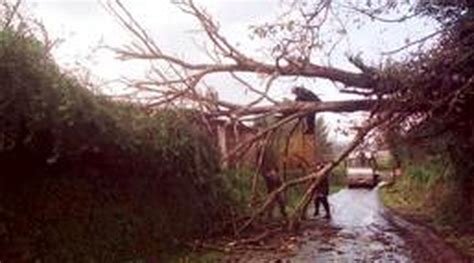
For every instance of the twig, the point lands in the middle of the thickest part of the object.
(418, 41)
(316, 176)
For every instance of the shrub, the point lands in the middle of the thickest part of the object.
(85, 178)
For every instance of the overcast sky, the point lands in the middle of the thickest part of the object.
(85, 24)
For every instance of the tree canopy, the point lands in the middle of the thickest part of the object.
(423, 96)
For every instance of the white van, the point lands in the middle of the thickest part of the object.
(360, 170)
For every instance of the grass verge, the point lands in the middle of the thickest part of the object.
(426, 204)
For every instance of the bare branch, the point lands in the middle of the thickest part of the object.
(238, 149)
(418, 41)
(316, 176)
(325, 106)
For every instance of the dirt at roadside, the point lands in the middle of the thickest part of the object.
(425, 244)
(420, 211)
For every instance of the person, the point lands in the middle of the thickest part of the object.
(273, 182)
(321, 195)
(363, 161)
(306, 95)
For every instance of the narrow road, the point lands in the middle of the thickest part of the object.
(362, 230)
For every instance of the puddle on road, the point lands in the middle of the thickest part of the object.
(361, 230)
(355, 208)
(358, 232)
(362, 233)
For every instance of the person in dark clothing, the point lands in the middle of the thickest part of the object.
(321, 196)
(273, 182)
(303, 94)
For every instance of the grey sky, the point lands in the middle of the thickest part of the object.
(84, 24)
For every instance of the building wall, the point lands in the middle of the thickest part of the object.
(301, 153)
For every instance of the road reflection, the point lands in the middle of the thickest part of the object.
(358, 232)
(361, 230)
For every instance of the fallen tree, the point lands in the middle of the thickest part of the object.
(399, 93)
(435, 86)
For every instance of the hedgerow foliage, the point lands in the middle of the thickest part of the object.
(85, 178)
(436, 89)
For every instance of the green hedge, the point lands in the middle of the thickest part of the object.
(84, 178)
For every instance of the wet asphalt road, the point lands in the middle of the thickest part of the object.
(362, 230)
